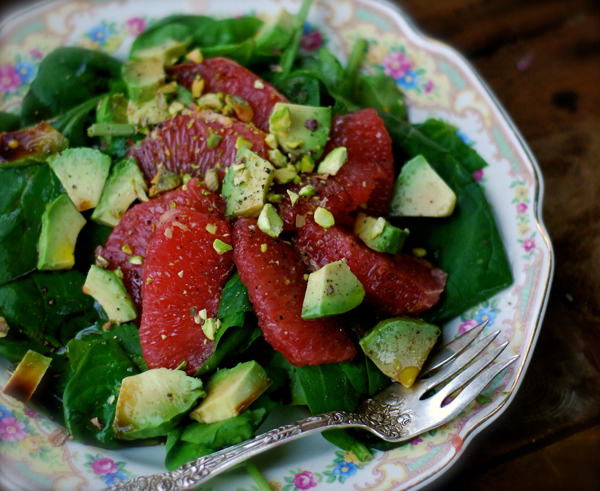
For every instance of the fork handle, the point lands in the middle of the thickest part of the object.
(194, 473)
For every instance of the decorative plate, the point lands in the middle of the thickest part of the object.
(437, 82)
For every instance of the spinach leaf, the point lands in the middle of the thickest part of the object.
(238, 330)
(68, 77)
(172, 28)
(227, 31)
(9, 122)
(25, 193)
(364, 376)
(445, 135)
(180, 452)
(324, 65)
(289, 55)
(242, 52)
(126, 335)
(301, 88)
(353, 67)
(46, 309)
(467, 245)
(185, 444)
(91, 395)
(380, 92)
(74, 123)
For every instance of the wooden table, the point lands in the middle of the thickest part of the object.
(542, 59)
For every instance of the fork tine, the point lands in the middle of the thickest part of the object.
(452, 349)
(471, 391)
(458, 363)
(465, 377)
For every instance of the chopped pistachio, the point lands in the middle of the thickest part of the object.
(307, 191)
(213, 140)
(197, 87)
(307, 164)
(242, 109)
(210, 327)
(243, 143)
(277, 158)
(195, 56)
(137, 260)
(419, 252)
(126, 248)
(271, 141)
(258, 84)
(211, 179)
(283, 176)
(221, 247)
(324, 217)
(275, 198)
(263, 247)
(293, 196)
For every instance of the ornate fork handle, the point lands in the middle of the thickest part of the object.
(192, 474)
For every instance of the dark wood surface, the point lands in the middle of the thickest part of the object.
(542, 59)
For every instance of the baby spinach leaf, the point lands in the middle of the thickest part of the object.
(180, 452)
(68, 77)
(126, 335)
(364, 376)
(446, 136)
(47, 309)
(301, 88)
(9, 122)
(227, 31)
(234, 300)
(172, 28)
(467, 245)
(242, 52)
(74, 123)
(91, 395)
(380, 92)
(353, 67)
(289, 55)
(324, 65)
(25, 193)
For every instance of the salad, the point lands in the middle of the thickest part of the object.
(224, 224)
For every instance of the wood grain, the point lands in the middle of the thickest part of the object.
(542, 59)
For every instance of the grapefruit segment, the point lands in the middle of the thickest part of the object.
(396, 284)
(183, 144)
(135, 230)
(276, 287)
(183, 275)
(223, 75)
(367, 177)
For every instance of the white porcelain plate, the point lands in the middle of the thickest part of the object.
(437, 82)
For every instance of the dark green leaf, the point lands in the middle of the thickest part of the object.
(9, 122)
(353, 67)
(467, 245)
(289, 55)
(74, 123)
(227, 32)
(301, 88)
(172, 28)
(446, 136)
(180, 452)
(380, 92)
(242, 53)
(91, 236)
(234, 299)
(25, 193)
(93, 392)
(47, 309)
(68, 77)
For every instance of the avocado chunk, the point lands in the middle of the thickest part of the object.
(82, 172)
(269, 221)
(109, 291)
(399, 347)
(30, 146)
(147, 113)
(420, 192)
(124, 185)
(61, 224)
(333, 162)
(152, 403)
(379, 234)
(230, 391)
(246, 184)
(167, 53)
(143, 78)
(276, 33)
(27, 376)
(300, 129)
(332, 290)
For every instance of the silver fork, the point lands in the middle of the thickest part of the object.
(395, 414)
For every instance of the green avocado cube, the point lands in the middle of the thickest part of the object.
(246, 184)
(332, 290)
(110, 292)
(379, 234)
(399, 346)
(30, 145)
(143, 78)
(420, 192)
(124, 185)
(300, 129)
(152, 403)
(231, 391)
(61, 224)
(27, 376)
(82, 172)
